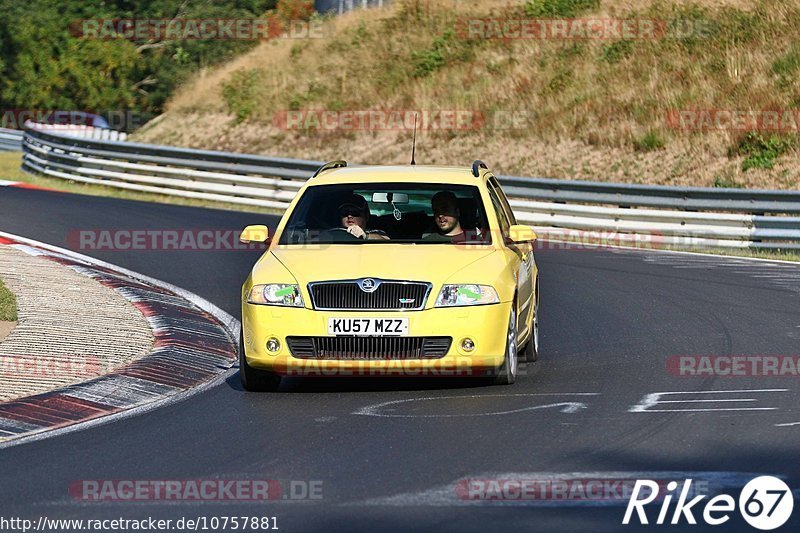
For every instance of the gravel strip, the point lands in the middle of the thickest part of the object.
(70, 327)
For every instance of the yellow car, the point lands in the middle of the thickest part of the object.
(391, 271)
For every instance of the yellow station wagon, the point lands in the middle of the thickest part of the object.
(391, 271)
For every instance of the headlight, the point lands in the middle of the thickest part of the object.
(276, 294)
(456, 295)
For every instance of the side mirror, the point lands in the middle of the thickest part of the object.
(257, 233)
(519, 233)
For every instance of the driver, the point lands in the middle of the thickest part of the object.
(354, 213)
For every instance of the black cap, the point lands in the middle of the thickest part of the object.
(355, 201)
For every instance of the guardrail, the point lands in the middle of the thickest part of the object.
(568, 210)
(80, 130)
(10, 140)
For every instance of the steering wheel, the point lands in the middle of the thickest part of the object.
(338, 235)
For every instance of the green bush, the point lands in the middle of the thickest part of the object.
(361, 35)
(445, 49)
(760, 151)
(617, 51)
(8, 304)
(240, 92)
(787, 67)
(559, 8)
(650, 142)
(726, 182)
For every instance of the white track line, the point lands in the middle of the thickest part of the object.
(566, 407)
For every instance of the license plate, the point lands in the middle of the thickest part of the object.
(388, 327)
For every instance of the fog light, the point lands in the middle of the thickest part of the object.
(467, 344)
(273, 345)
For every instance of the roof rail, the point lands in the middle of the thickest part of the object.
(328, 166)
(477, 165)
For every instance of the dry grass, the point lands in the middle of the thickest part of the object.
(10, 166)
(775, 255)
(595, 109)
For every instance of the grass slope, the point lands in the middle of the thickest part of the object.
(592, 109)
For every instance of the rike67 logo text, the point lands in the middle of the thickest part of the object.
(765, 503)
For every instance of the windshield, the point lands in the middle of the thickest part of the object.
(377, 213)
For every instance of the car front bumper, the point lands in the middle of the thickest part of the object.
(486, 325)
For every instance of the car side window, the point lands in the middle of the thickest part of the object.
(502, 218)
(503, 200)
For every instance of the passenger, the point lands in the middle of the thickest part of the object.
(446, 217)
(354, 214)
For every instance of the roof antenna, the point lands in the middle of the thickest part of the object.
(414, 142)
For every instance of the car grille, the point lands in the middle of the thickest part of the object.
(368, 348)
(387, 296)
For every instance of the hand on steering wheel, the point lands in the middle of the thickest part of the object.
(356, 231)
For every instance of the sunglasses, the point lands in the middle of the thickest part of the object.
(351, 213)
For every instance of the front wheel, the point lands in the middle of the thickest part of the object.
(253, 379)
(508, 370)
(532, 348)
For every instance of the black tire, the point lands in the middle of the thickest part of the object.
(253, 379)
(507, 373)
(531, 350)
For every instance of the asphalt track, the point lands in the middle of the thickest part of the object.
(610, 320)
